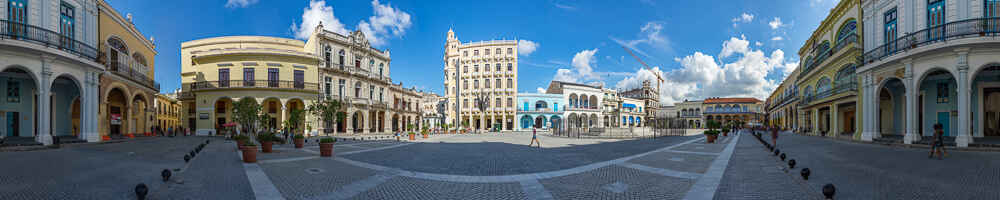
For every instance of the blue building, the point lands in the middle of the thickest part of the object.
(539, 111)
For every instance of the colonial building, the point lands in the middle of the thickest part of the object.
(827, 78)
(357, 74)
(429, 103)
(610, 108)
(633, 113)
(649, 96)
(691, 112)
(746, 111)
(583, 103)
(276, 73)
(127, 86)
(782, 105)
(168, 111)
(485, 70)
(539, 111)
(930, 62)
(405, 110)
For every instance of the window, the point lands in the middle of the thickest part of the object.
(272, 77)
(465, 53)
(498, 51)
(380, 92)
(475, 68)
(486, 83)
(510, 83)
(890, 29)
(847, 30)
(498, 67)
(341, 59)
(510, 51)
(510, 67)
(942, 93)
(475, 84)
(248, 79)
(13, 91)
(475, 52)
(465, 69)
(299, 77)
(465, 84)
(935, 19)
(357, 89)
(510, 101)
(17, 13)
(328, 83)
(117, 47)
(499, 103)
(486, 67)
(272, 107)
(224, 77)
(340, 90)
(371, 92)
(371, 65)
(381, 66)
(486, 52)
(357, 63)
(992, 10)
(326, 55)
(66, 20)
(499, 84)
(465, 103)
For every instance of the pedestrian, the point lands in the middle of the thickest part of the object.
(169, 130)
(937, 145)
(534, 138)
(774, 136)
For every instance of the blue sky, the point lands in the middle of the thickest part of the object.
(702, 48)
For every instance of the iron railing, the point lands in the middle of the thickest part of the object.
(273, 84)
(851, 86)
(851, 39)
(122, 68)
(977, 27)
(39, 35)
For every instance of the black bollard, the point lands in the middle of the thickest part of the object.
(805, 173)
(141, 190)
(192, 154)
(165, 174)
(187, 158)
(777, 151)
(829, 190)
(782, 156)
(791, 163)
(206, 141)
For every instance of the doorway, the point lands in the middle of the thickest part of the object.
(13, 125)
(991, 112)
(943, 118)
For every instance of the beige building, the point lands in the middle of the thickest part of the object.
(486, 69)
(405, 110)
(168, 111)
(127, 85)
(430, 104)
(216, 72)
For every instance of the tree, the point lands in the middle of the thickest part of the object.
(295, 119)
(247, 113)
(327, 110)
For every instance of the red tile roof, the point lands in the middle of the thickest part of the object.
(731, 100)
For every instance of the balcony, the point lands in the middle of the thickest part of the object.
(818, 60)
(969, 28)
(126, 67)
(535, 110)
(266, 84)
(45, 37)
(851, 86)
(580, 108)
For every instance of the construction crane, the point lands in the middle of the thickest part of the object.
(658, 77)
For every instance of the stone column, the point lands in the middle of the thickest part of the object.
(88, 114)
(834, 121)
(910, 106)
(44, 120)
(963, 138)
(868, 107)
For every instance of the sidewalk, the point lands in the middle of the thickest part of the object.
(754, 173)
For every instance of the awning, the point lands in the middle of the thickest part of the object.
(628, 105)
(230, 124)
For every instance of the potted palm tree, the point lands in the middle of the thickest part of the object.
(300, 141)
(326, 146)
(249, 152)
(424, 132)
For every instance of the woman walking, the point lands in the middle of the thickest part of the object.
(937, 145)
(534, 138)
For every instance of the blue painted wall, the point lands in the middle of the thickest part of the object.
(25, 106)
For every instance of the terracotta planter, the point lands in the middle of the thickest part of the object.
(711, 138)
(266, 146)
(249, 154)
(299, 142)
(726, 134)
(413, 136)
(105, 137)
(326, 149)
(425, 136)
(239, 143)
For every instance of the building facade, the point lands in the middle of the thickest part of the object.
(485, 70)
(691, 112)
(539, 111)
(91, 65)
(275, 73)
(782, 105)
(633, 113)
(582, 108)
(168, 111)
(827, 79)
(429, 106)
(405, 110)
(745, 111)
(649, 96)
(930, 62)
(610, 108)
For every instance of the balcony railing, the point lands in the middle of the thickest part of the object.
(126, 67)
(34, 34)
(851, 39)
(205, 85)
(840, 88)
(978, 27)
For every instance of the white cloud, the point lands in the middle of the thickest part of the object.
(387, 22)
(777, 38)
(317, 12)
(776, 23)
(702, 76)
(526, 47)
(744, 18)
(540, 90)
(564, 6)
(240, 3)
(758, 43)
(583, 69)
(650, 34)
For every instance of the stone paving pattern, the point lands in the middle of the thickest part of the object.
(411, 188)
(614, 182)
(754, 173)
(295, 182)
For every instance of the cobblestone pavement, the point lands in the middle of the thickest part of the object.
(111, 171)
(755, 173)
(497, 166)
(869, 171)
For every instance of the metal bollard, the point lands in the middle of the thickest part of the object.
(165, 174)
(141, 190)
(829, 190)
(805, 173)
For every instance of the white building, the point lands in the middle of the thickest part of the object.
(583, 109)
(486, 69)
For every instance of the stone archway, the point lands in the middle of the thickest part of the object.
(940, 99)
(65, 101)
(357, 122)
(117, 109)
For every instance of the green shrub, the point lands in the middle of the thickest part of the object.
(267, 137)
(299, 136)
(247, 142)
(711, 132)
(411, 133)
(328, 140)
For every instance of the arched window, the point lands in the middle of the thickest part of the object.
(141, 60)
(823, 47)
(846, 75)
(847, 30)
(116, 49)
(540, 105)
(380, 67)
(357, 89)
(823, 85)
(808, 91)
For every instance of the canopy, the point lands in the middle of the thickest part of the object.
(230, 124)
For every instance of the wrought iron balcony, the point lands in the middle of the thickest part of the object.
(126, 67)
(29, 33)
(851, 86)
(271, 84)
(977, 27)
(851, 39)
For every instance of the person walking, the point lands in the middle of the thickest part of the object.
(534, 138)
(774, 136)
(937, 145)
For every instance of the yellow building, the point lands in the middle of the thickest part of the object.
(827, 82)
(168, 111)
(747, 111)
(277, 73)
(480, 69)
(127, 86)
(782, 104)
